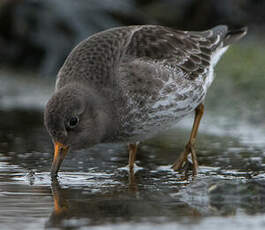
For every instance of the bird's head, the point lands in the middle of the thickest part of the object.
(75, 118)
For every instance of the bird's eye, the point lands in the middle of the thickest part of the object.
(73, 122)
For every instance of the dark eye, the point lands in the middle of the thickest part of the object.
(73, 122)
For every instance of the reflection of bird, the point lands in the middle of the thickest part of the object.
(128, 83)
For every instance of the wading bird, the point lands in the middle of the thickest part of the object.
(129, 83)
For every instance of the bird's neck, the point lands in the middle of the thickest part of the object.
(106, 114)
(107, 121)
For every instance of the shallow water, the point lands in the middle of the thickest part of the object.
(94, 189)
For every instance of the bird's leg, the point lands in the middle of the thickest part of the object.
(132, 153)
(183, 159)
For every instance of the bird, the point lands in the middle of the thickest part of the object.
(129, 83)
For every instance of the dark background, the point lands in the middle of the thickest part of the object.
(35, 38)
(37, 35)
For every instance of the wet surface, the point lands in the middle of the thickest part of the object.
(95, 191)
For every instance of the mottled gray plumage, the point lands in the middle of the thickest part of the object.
(128, 83)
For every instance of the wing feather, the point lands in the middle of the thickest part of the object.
(188, 51)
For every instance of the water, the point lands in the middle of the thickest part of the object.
(95, 191)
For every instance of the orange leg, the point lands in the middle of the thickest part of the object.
(132, 153)
(182, 160)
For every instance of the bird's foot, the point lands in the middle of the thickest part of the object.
(134, 169)
(183, 164)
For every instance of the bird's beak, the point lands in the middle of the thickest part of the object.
(60, 151)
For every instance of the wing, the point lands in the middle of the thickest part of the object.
(162, 58)
(189, 51)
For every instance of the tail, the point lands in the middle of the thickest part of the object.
(234, 35)
(226, 36)
(229, 35)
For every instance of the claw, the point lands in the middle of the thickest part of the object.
(182, 164)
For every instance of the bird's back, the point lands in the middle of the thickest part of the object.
(154, 75)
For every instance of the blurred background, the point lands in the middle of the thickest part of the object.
(35, 38)
(37, 35)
